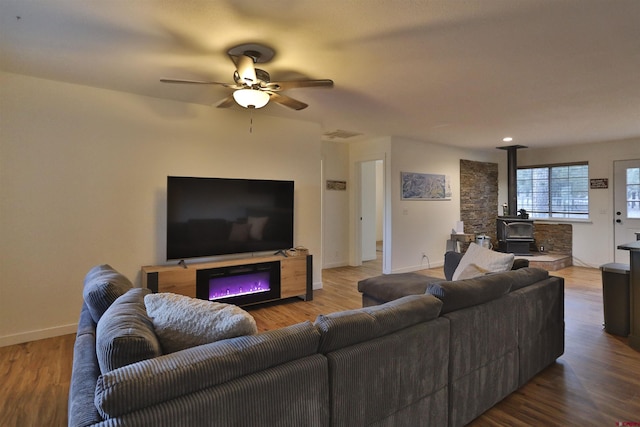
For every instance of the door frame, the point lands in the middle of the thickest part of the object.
(356, 214)
(619, 255)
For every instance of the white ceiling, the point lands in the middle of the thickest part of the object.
(463, 73)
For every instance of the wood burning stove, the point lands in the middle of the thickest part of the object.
(515, 234)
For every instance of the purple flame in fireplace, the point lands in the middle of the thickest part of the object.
(243, 284)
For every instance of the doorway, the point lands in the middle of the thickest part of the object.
(372, 213)
(626, 205)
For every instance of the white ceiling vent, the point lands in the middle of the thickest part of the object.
(342, 134)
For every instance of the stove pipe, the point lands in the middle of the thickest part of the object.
(512, 168)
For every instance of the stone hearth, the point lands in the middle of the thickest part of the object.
(549, 262)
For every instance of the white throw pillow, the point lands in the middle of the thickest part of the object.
(485, 259)
(181, 322)
(471, 271)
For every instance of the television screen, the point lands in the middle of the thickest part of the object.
(219, 216)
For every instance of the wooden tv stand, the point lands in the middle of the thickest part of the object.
(296, 275)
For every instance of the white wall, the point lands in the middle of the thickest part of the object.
(593, 243)
(416, 227)
(83, 182)
(335, 205)
(425, 226)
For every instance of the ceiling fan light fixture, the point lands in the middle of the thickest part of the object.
(251, 98)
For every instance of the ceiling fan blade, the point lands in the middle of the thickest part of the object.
(227, 102)
(246, 70)
(287, 101)
(197, 82)
(291, 84)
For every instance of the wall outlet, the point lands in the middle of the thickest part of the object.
(424, 256)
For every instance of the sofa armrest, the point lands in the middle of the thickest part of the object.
(85, 372)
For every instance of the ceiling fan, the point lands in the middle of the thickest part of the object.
(253, 87)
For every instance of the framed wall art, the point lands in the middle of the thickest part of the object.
(425, 186)
(336, 185)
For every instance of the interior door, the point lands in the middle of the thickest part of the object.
(368, 210)
(626, 205)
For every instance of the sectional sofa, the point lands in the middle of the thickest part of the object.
(419, 360)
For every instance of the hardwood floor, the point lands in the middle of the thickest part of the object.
(595, 383)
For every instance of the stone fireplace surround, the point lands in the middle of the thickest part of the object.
(479, 207)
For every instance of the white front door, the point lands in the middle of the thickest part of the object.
(626, 205)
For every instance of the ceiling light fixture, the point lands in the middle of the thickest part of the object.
(251, 98)
(507, 139)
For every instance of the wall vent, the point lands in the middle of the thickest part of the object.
(342, 134)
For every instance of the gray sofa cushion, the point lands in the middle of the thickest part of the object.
(125, 333)
(388, 287)
(102, 286)
(466, 293)
(483, 358)
(293, 394)
(350, 327)
(526, 276)
(396, 380)
(540, 325)
(451, 261)
(195, 369)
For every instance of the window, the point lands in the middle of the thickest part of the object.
(633, 193)
(554, 191)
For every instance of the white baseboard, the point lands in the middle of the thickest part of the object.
(335, 264)
(38, 335)
(411, 269)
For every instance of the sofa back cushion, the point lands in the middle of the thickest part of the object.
(153, 381)
(466, 293)
(399, 379)
(125, 333)
(540, 325)
(102, 286)
(483, 357)
(526, 276)
(350, 327)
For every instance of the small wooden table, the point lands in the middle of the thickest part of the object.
(634, 292)
(461, 238)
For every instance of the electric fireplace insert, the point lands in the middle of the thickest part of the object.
(240, 285)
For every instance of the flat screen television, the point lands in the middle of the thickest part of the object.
(221, 216)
